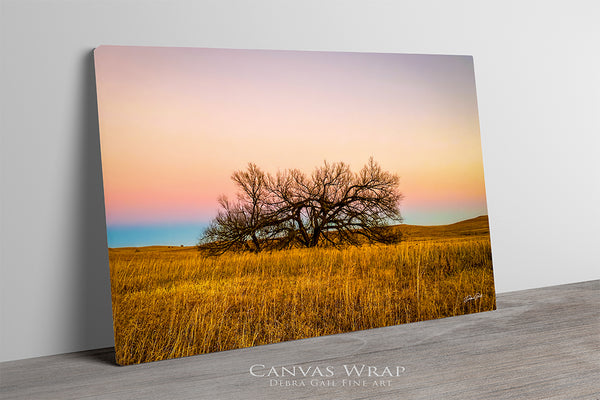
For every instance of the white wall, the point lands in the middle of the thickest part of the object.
(536, 65)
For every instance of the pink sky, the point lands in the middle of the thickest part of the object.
(176, 122)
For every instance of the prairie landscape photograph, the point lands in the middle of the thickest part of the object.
(261, 196)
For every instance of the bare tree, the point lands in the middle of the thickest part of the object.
(331, 206)
(241, 222)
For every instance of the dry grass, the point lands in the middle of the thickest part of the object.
(173, 302)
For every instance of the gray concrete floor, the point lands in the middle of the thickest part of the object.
(539, 344)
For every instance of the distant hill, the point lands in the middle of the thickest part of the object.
(478, 226)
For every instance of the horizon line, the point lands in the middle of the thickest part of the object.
(184, 246)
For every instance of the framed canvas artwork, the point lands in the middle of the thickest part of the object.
(261, 196)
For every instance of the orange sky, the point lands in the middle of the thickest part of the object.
(176, 122)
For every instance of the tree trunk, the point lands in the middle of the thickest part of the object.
(256, 243)
(314, 240)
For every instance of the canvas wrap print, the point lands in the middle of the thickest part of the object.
(257, 196)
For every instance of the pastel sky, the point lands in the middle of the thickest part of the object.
(176, 122)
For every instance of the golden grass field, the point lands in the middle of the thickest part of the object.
(173, 302)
